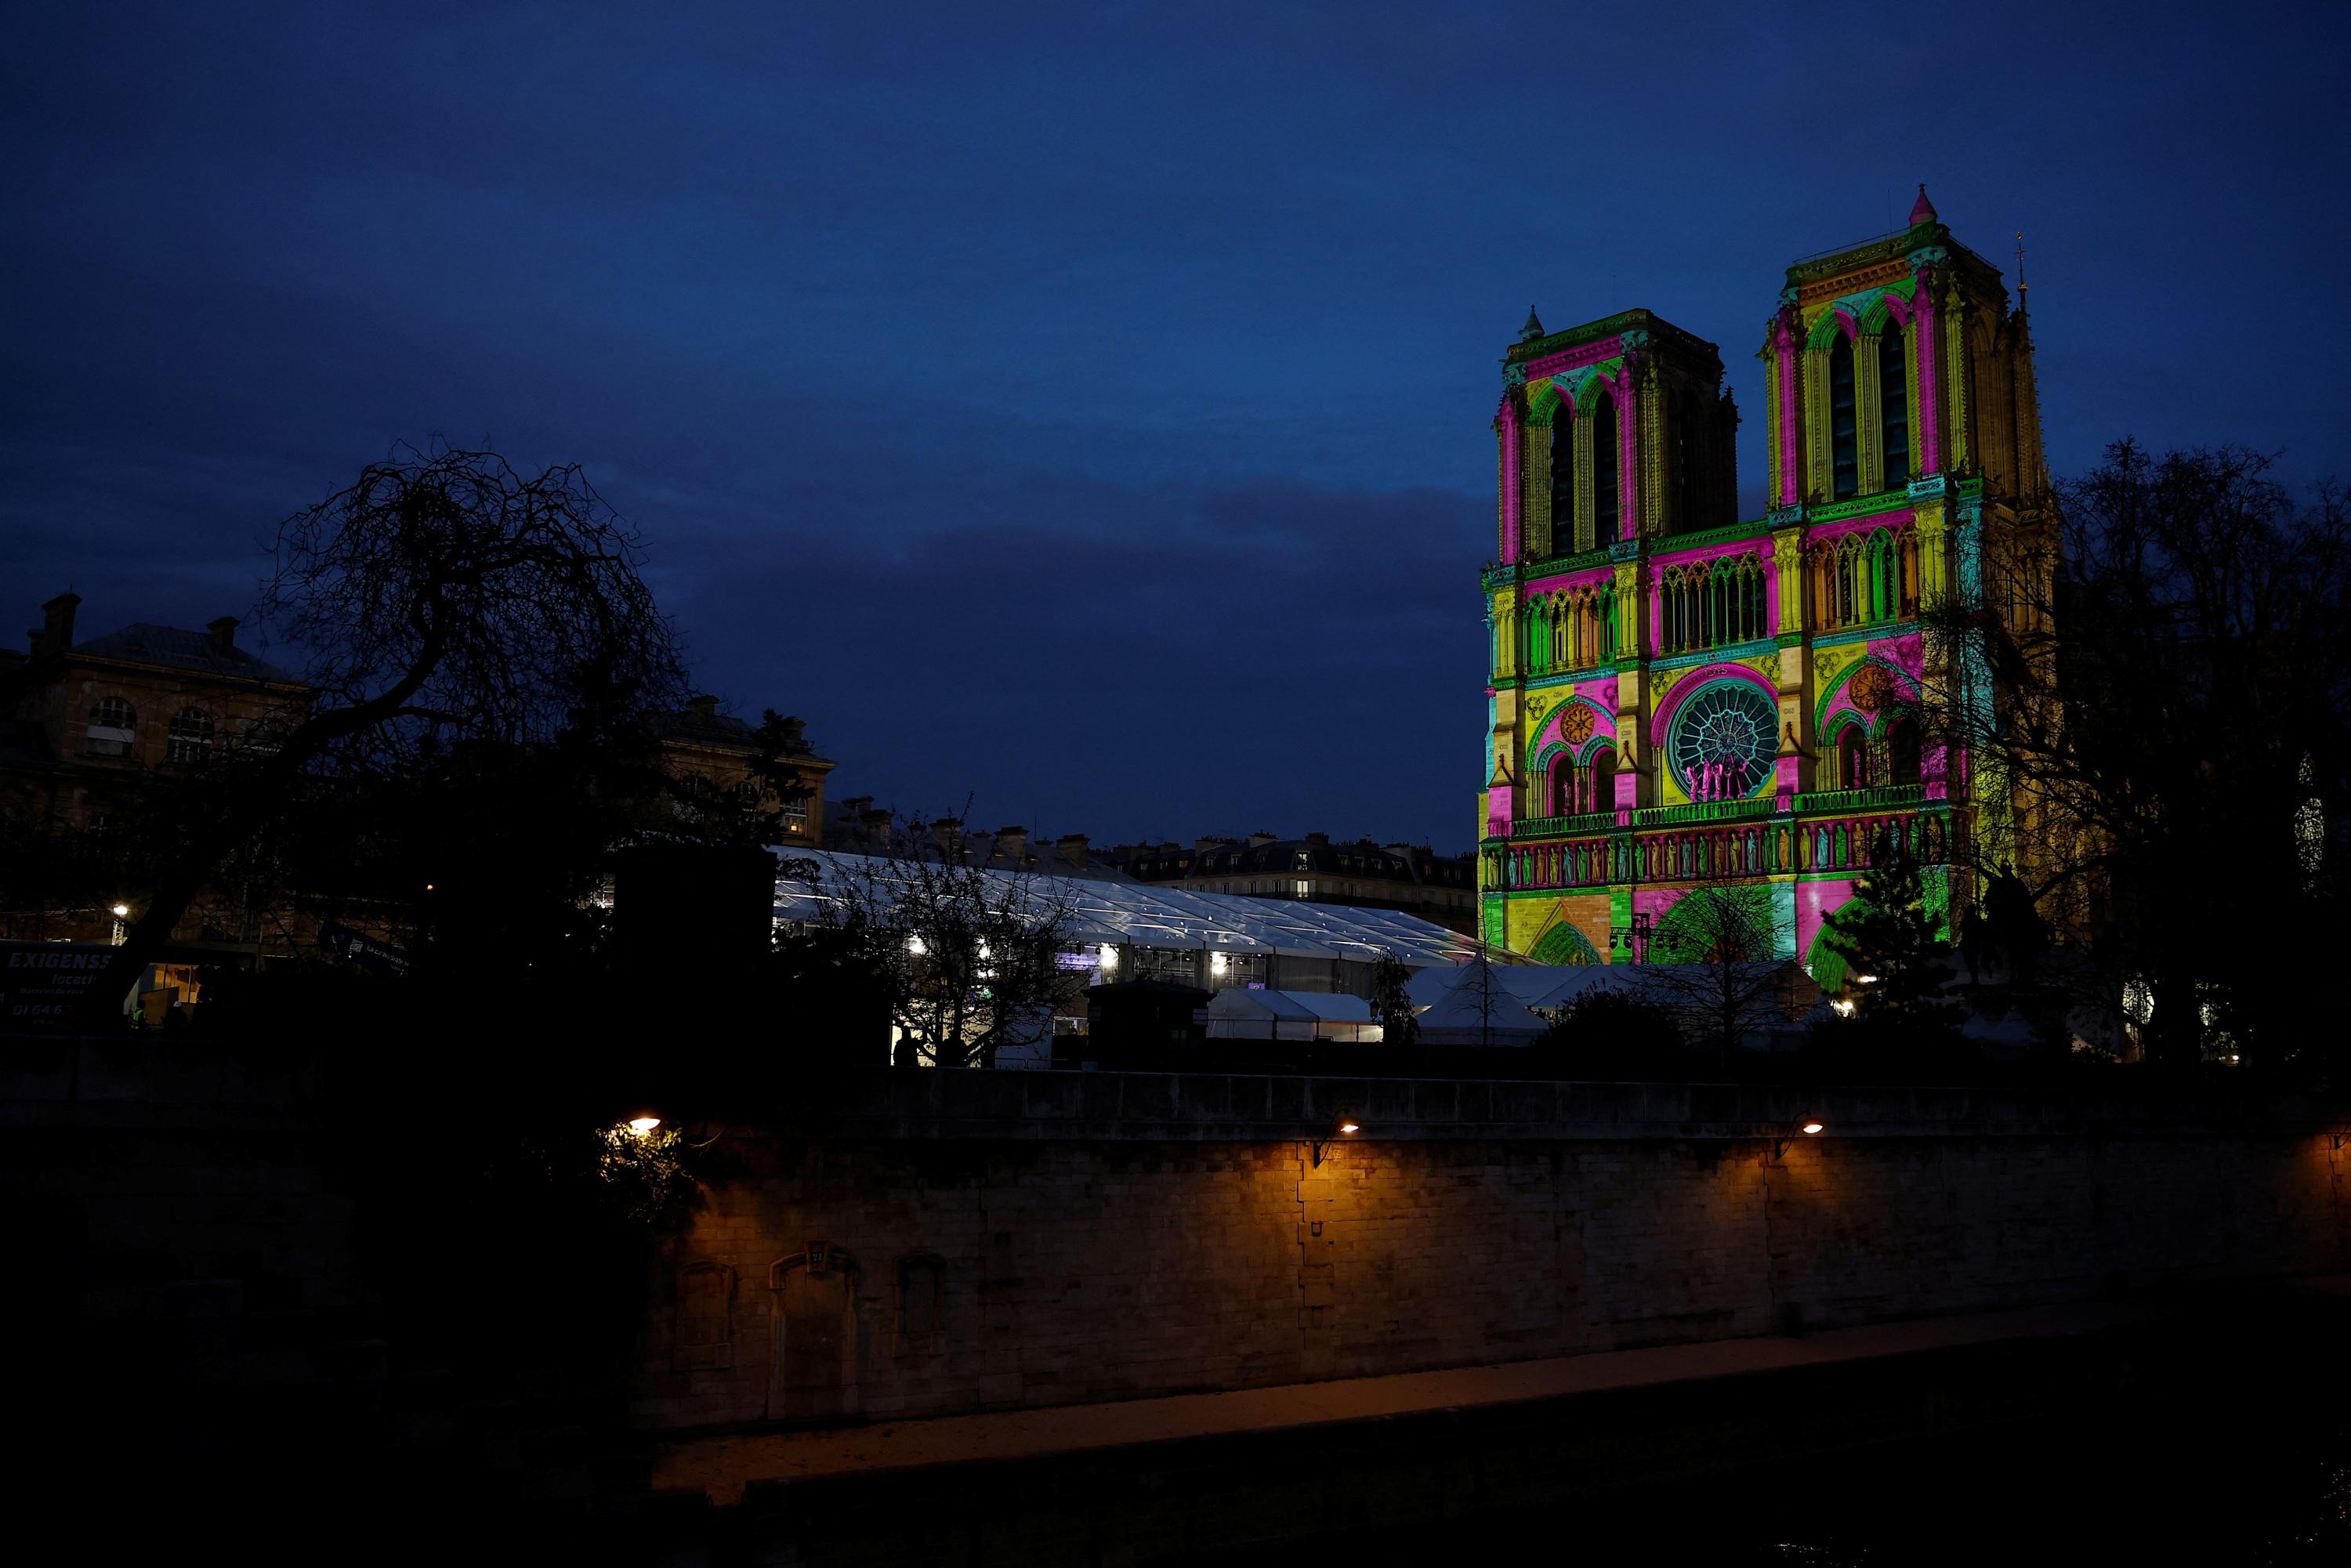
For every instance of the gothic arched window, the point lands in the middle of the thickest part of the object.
(1902, 752)
(1844, 442)
(1853, 759)
(1562, 479)
(1605, 461)
(1893, 406)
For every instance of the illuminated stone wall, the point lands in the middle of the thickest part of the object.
(950, 1242)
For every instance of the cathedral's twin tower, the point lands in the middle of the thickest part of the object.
(1679, 698)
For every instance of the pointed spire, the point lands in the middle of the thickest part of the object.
(1922, 211)
(1533, 329)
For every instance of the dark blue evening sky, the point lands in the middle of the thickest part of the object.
(1084, 408)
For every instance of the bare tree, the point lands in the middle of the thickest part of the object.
(2153, 687)
(442, 599)
(968, 959)
(1711, 965)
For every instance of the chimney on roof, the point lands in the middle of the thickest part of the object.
(873, 825)
(703, 706)
(222, 634)
(1317, 837)
(855, 804)
(1203, 845)
(947, 833)
(795, 734)
(1071, 849)
(56, 634)
(1012, 844)
(1262, 837)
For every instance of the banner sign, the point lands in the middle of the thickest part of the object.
(359, 947)
(44, 985)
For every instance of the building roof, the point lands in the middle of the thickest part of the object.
(178, 648)
(1132, 914)
(1314, 855)
(1297, 1007)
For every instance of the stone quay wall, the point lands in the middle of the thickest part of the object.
(914, 1243)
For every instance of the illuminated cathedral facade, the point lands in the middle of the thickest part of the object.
(1680, 699)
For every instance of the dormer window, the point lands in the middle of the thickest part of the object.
(113, 725)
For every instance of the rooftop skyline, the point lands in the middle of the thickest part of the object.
(1087, 416)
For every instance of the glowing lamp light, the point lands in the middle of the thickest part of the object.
(1866, 979)
(122, 912)
(1216, 963)
(915, 945)
(1842, 1007)
(642, 1126)
(1109, 957)
(1342, 1126)
(1813, 1128)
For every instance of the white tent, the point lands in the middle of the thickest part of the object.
(1483, 1004)
(1242, 1014)
(1125, 912)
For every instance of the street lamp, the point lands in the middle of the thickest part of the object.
(1810, 1127)
(1633, 940)
(1344, 1127)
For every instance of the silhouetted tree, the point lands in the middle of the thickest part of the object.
(443, 605)
(1613, 1031)
(966, 960)
(1391, 1000)
(2157, 691)
(1710, 964)
(1897, 963)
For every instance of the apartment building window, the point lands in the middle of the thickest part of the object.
(191, 738)
(112, 727)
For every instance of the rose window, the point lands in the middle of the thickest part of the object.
(1871, 689)
(1722, 742)
(1575, 724)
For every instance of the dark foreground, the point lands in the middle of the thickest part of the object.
(2220, 1434)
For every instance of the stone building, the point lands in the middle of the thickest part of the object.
(83, 723)
(1679, 698)
(713, 754)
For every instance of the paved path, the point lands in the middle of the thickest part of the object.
(723, 1467)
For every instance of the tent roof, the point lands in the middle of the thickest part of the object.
(1150, 916)
(1239, 1002)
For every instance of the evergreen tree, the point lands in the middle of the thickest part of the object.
(1896, 962)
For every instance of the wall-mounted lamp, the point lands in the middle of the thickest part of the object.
(122, 912)
(643, 1125)
(1810, 1127)
(1344, 1127)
